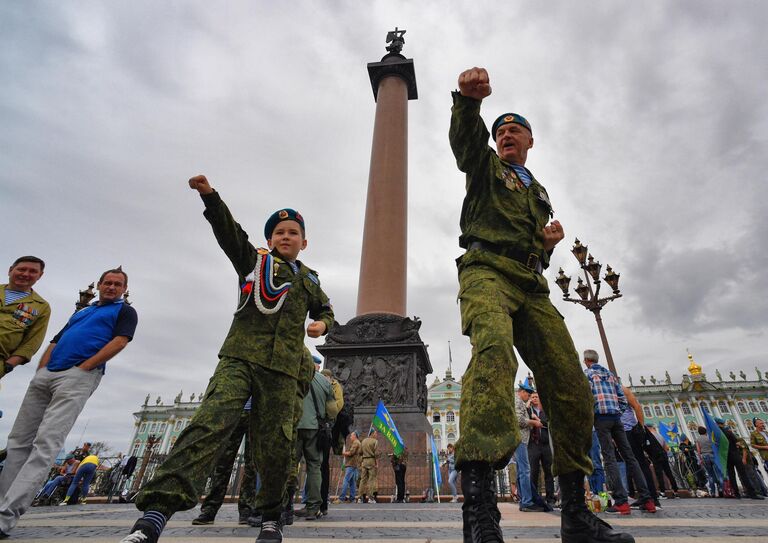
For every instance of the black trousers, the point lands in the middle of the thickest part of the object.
(661, 467)
(635, 437)
(735, 465)
(325, 472)
(540, 457)
(400, 481)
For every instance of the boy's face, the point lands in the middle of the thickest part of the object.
(288, 239)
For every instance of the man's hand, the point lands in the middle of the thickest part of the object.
(553, 233)
(200, 184)
(533, 423)
(474, 83)
(15, 360)
(316, 329)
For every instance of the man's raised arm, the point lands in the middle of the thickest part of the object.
(468, 134)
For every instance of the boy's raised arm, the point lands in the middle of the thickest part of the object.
(229, 234)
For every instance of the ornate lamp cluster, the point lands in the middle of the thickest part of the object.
(590, 298)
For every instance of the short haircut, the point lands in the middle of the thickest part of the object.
(591, 354)
(29, 258)
(702, 430)
(119, 269)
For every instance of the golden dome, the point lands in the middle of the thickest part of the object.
(693, 367)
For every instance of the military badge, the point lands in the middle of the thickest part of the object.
(511, 181)
(283, 214)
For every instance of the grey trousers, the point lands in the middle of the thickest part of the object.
(49, 410)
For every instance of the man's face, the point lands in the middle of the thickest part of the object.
(288, 239)
(112, 287)
(524, 394)
(535, 399)
(512, 143)
(23, 275)
(760, 425)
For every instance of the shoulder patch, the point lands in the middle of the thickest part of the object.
(312, 277)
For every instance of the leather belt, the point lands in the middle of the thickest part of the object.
(529, 260)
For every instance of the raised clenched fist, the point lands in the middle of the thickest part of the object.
(474, 83)
(200, 184)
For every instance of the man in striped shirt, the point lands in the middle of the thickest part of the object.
(24, 314)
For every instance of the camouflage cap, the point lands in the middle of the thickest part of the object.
(281, 215)
(507, 118)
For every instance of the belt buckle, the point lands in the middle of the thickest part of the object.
(533, 261)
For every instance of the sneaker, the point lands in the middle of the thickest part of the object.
(622, 509)
(455, 500)
(324, 512)
(203, 519)
(337, 501)
(82, 501)
(65, 502)
(648, 506)
(637, 504)
(271, 532)
(142, 532)
(308, 514)
(657, 504)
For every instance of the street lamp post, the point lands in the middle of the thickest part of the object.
(589, 297)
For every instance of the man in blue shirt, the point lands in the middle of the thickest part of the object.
(69, 372)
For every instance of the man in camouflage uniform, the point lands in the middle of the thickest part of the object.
(263, 356)
(368, 467)
(222, 473)
(504, 302)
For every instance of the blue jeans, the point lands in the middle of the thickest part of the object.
(597, 478)
(50, 486)
(84, 473)
(523, 475)
(452, 476)
(350, 482)
(714, 480)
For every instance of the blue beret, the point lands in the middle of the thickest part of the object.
(316, 359)
(507, 118)
(286, 214)
(528, 388)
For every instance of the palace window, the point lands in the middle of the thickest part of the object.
(704, 406)
(742, 408)
(451, 438)
(668, 411)
(763, 406)
(153, 428)
(723, 407)
(657, 411)
(753, 407)
(143, 427)
(136, 447)
(436, 417)
(450, 417)
(647, 412)
(178, 425)
(749, 425)
(686, 408)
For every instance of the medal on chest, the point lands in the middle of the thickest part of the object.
(260, 284)
(511, 181)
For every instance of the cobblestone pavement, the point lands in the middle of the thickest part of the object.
(718, 520)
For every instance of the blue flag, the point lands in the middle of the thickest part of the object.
(719, 442)
(435, 463)
(383, 422)
(670, 434)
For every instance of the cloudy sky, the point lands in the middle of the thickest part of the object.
(650, 124)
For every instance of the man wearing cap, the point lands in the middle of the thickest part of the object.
(262, 356)
(504, 299)
(525, 423)
(759, 440)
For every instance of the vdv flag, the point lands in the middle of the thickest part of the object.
(435, 463)
(719, 442)
(670, 433)
(384, 424)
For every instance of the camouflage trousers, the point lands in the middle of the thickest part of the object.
(506, 305)
(369, 484)
(223, 469)
(179, 481)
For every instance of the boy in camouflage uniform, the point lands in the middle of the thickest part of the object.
(504, 302)
(263, 356)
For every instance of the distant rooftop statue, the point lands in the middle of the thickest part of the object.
(396, 38)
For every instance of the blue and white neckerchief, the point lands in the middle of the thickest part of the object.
(13, 296)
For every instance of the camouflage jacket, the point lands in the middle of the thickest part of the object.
(274, 341)
(498, 207)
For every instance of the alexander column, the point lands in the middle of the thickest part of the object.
(379, 355)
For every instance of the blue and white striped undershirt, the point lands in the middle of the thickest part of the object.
(14, 296)
(523, 174)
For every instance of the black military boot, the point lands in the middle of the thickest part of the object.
(480, 514)
(287, 516)
(577, 523)
(205, 517)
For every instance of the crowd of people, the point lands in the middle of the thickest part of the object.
(266, 379)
